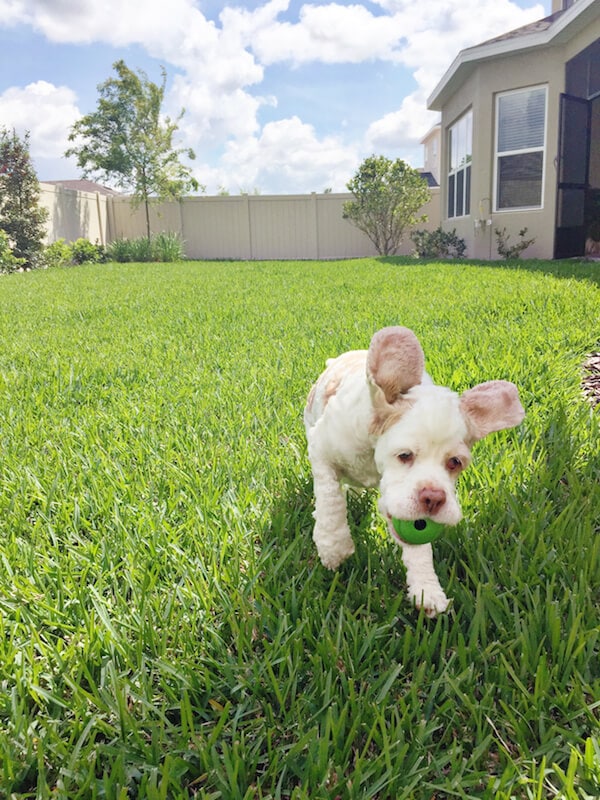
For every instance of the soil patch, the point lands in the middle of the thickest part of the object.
(591, 378)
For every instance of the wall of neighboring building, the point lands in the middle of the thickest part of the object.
(431, 151)
(245, 227)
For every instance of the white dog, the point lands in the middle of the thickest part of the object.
(375, 419)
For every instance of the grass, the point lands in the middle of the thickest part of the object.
(166, 630)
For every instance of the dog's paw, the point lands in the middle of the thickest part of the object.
(431, 599)
(332, 556)
(334, 542)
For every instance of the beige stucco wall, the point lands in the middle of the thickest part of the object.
(504, 73)
(479, 92)
(431, 151)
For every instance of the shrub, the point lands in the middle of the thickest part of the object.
(165, 247)
(141, 249)
(168, 247)
(512, 251)
(8, 261)
(438, 244)
(84, 252)
(126, 250)
(388, 196)
(57, 254)
(119, 250)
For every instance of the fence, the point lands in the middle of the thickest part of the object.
(75, 215)
(247, 227)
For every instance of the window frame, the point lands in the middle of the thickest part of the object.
(523, 151)
(459, 175)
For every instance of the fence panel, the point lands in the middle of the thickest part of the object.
(338, 238)
(216, 227)
(130, 223)
(283, 227)
(74, 215)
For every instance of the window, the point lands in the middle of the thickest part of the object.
(460, 144)
(520, 146)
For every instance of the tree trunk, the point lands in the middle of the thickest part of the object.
(147, 207)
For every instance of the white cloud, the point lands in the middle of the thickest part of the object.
(330, 33)
(400, 132)
(217, 68)
(436, 31)
(289, 156)
(46, 111)
(147, 22)
(210, 118)
(13, 11)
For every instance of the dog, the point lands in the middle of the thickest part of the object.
(374, 418)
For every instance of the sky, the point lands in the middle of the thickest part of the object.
(280, 96)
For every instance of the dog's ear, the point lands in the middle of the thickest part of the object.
(491, 406)
(395, 361)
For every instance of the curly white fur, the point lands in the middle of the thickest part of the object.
(375, 419)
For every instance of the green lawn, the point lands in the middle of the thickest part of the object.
(166, 630)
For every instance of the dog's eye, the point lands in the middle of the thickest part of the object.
(406, 457)
(453, 464)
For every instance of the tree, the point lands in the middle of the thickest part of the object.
(388, 194)
(126, 141)
(21, 217)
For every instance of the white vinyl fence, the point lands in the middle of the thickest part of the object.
(246, 227)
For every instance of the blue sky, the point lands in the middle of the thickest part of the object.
(280, 95)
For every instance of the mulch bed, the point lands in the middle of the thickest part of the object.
(591, 378)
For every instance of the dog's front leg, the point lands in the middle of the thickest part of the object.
(331, 533)
(423, 585)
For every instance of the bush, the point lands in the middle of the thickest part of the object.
(164, 247)
(512, 251)
(84, 252)
(8, 261)
(57, 254)
(168, 247)
(141, 249)
(119, 250)
(438, 244)
(388, 196)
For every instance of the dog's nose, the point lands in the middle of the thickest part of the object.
(431, 499)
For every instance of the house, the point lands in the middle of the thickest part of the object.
(520, 136)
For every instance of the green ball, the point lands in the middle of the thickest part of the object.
(417, 531)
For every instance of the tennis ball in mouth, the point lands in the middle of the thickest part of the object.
(417, 531)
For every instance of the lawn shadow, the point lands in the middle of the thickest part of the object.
(578, 269)
(291, 519)
(291, 565)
